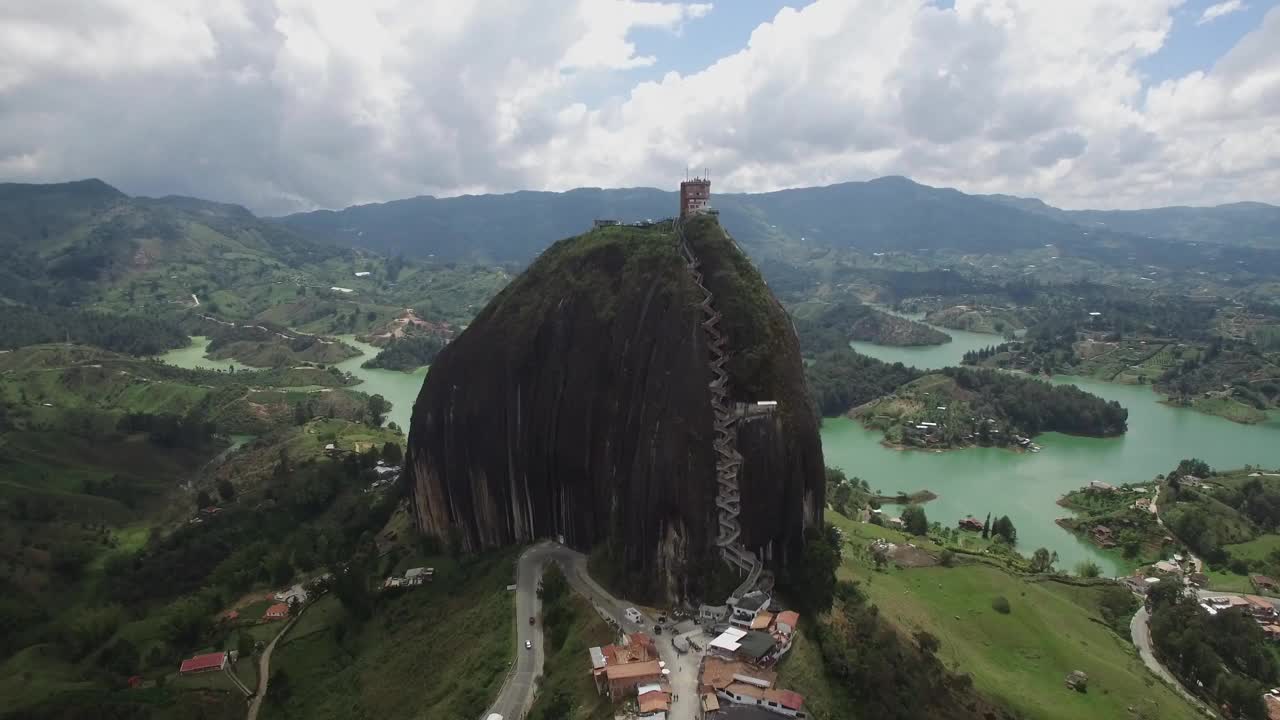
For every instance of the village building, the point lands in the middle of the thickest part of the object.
(419, 575)
(652, 699)
(787, 621)
(203, 663)
(1260, 608)
(297, 594)
(747, 607)
(971, 523)
(1262, 583)
(1102, 535)
(625, 678)
(279, 611)
(1101, 486)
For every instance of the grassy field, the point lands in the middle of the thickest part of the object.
(802, 671)
(1258, 548)
(1019, 659)
(440, 651)
(1231, 409)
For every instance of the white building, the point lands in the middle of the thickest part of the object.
(747, 607)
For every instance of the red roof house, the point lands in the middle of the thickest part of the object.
(654, 701)
(787, 621)
(203, 663)
(788, 699)
(277, 612)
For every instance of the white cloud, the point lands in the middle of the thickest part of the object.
(288, 104)
(1213, 12)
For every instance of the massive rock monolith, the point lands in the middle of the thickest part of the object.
(576, 405)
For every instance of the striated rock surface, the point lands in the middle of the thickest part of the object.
(576, 405)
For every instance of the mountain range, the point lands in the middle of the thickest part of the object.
(886, 214)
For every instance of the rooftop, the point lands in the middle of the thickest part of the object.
(786, 698)
(630, 671)
(745, 690)
(753, 601)
(788, 617)
(719, 674)
(654, 701)
(756, 644)
(208, 661)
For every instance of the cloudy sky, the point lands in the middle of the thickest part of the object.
(285, 105)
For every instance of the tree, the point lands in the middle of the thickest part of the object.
(1001, 605)
(203, 500)
(814, 580)
(377, 410)
(840, 499)
(391, 453)
(120, 657)
(914, 519)
(986, 527)
(244, 645)
(1042, 560)
(226, 490)
(351, 586)
(1088, 569)
(1004, 528)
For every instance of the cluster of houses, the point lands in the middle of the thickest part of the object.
(725, 684)
(735, 672)
(1262, 610)
(413, 577)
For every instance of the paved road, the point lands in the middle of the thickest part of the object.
(264, 668)
(684, 669)
(1140, 631)
(516, 695)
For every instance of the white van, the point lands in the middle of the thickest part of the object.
(494, 716)
(633, 615)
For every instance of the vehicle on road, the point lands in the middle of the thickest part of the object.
(494, 716)
(530, 619)
(528, 644)
(632, 614)
(657, 629)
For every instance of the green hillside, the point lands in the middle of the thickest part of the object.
(88, 245)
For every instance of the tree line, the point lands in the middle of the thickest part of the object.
(407, 353)
(21, 326)
(841, 379)
(1036, 406)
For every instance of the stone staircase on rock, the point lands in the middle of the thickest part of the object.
(728, 459)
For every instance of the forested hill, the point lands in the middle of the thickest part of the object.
(85, 263)
(1244, 223)
(69, 243)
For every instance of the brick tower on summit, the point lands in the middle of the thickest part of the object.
(695, 194)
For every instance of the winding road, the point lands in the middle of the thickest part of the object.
(516, 696)
(1140, 628)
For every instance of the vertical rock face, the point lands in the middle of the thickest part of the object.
(576, 404)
